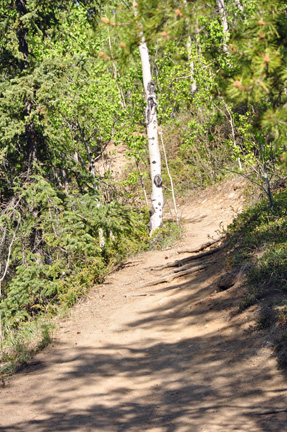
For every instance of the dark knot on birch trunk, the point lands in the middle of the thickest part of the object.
(151, 87)
(157, 180)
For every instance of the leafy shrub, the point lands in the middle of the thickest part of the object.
(56, 253)
(166, 236)
(260, 236)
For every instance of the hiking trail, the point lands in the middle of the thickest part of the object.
(167, 357)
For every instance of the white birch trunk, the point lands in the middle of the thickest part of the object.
(193, 87)
(239, 5)
(222, 13)
(152, 133)
(92, 170)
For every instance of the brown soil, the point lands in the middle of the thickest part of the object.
(172, 357)
(113, 159)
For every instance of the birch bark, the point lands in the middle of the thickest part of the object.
(239, 5)
(222, 13)
(193, 87)
(153, 145)
(152, 134)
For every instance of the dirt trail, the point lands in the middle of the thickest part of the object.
(173, 360)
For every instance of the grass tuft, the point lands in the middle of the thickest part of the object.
(20, 345)
(259, 239)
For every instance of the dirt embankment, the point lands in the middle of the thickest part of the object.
(160, 358)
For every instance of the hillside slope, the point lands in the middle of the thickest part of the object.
(161, 358)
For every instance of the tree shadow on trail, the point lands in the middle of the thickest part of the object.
(201, 383)
(181, 386)
(180, 297)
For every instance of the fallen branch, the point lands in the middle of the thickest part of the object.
(200, 248)
(182, 262)
(172, 276)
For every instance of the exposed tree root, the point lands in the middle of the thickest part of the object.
(202, 247)
(185, 267)
(169, 277)
(278, 411)
(182, 262)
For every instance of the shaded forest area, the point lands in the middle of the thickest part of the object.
(71, 83)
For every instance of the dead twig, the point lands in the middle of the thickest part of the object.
(139, 295)
(200, 248)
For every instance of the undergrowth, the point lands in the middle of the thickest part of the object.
(55, 256)
(259, 239)
(19, 346)
(165, 237)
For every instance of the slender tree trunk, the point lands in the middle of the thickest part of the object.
(266, 178)
(170, 178)
(22, 34)
(238, 5)
(123, 102)
(31, 143)
(268, 187)
(102, 241)
(231, 121)
(142, 182)
(222, 13)
(152, 133)
(193, 87)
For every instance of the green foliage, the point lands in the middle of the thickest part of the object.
(71, 84)
(166, 237)
(259, 52)
(59, 109)
(205, 146)
(261, 241)
(282, 315)
(22, 344)
(57, 254)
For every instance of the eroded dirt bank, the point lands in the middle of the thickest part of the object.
(164, 358)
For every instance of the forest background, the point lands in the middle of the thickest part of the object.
(71, 83)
